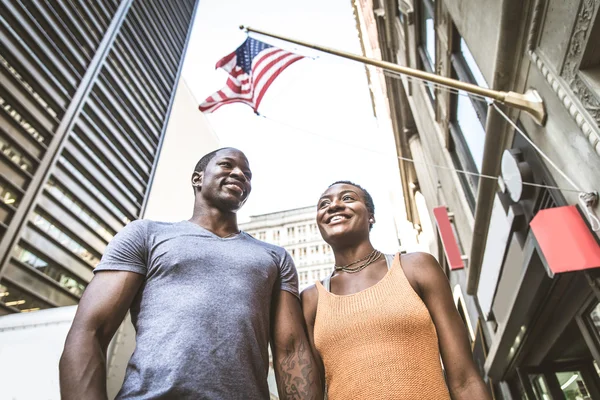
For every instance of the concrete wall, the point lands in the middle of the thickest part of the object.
(188, 137)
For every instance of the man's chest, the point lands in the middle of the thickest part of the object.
(207, 264)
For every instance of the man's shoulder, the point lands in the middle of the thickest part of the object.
(151, 226)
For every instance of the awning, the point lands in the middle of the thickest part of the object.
(565, 240)
(449, 242)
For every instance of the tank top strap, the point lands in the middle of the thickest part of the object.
(389, 259)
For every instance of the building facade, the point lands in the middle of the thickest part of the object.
(188, 137)
(535, 329)
(86, 89)
(296, 231)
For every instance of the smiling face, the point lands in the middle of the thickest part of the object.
(225, 182)
(342, 215)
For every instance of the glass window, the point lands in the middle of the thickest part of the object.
(61, 237)
(540, 387)
(92, 188)
(59, 274)
(473, 67)
(572, 385)
(467, 122)
(427, 42)
(595, 318)
(67, 200)
(7, 196)
(27, 86)
(14, 297)
(16, 156)
(428, 33)
(471, 128)
(21, 121)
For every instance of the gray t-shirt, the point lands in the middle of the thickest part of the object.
(202, 316)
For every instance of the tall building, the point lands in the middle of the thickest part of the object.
(533, 319)
(296, 231)
(86, 89)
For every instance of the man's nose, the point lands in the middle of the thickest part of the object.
(238, 173)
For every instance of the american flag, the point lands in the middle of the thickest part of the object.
(252, 68)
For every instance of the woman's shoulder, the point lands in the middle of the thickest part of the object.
(309, 295)
(421, 269)
(310, 299)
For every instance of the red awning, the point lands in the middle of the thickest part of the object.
(448, 239)
(565, 240)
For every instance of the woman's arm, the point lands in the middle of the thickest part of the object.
(310, 298)
(463, 379)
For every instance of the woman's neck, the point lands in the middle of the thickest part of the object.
(350, 253)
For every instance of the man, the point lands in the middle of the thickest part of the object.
(205, 299)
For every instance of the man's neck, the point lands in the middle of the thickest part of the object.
(218, 222)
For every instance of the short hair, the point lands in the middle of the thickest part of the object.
(368, 199)
(203, 162)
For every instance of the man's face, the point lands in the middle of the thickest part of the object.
(226, 181)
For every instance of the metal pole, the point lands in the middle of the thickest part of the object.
(530, 101)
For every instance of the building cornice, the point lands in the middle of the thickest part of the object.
(582, 104)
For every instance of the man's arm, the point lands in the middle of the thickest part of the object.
(295, 369)
(463, 379)
(101, 310)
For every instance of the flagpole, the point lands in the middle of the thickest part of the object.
(530, 101)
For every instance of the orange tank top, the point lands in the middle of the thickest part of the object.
(379, 343)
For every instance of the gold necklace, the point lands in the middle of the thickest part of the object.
(368, 260)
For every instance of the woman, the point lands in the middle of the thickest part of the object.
(377, 326)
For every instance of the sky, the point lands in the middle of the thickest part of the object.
(316, 125)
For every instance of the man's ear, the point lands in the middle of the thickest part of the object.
(197, 178)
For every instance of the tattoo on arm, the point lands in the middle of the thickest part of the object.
(296, 372)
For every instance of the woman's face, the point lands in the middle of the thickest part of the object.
(342, 214)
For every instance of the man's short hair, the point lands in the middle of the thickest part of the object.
(368, 199)
(201, 165)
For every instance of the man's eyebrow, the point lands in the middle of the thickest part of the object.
(227, 158)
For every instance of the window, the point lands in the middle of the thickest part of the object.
(467, 120)
(262, 235)
(7, 195)
(11, 296)
(21, 121)
(27, 86)
(276, 236)
(59, 274)
(427, 40)
(302, 233)
(57, 234)
(15, 156)
(67, 200)
(594, 317)
(93, 190)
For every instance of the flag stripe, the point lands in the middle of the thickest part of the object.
(252, 69)
(272, 78)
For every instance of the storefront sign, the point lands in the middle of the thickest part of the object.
(448, 239)
(565, 240)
